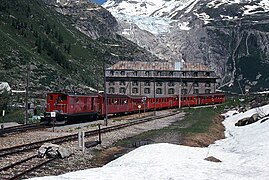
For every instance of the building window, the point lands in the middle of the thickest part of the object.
(159, 91)
(147, 90)
(195, 74)
(171, 83)
(122, 83)
(158, 83)
(135, 90)
(135, 73)
(112, 73)
(207, 84)
(196, 84)
(185, 84)
(146, 73)
(122, 90)
(184, 91)
(111, 90)
(207, 73)
(122, 73)
(207, 91)
(135, 83)
(146, 83)
(111, 83)
(196, 91)
(171, 91)
(171, 73)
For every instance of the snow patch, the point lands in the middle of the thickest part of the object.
(243, 154)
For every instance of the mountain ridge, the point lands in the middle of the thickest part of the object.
(228, 36)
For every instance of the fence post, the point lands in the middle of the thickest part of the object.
(81, 140)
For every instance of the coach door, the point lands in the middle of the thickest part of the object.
(199, 100)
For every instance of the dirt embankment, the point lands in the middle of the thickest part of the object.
(215, 132)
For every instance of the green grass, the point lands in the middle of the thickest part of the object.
(195, 121)
(14, 115)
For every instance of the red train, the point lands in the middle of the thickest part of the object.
(62, 108)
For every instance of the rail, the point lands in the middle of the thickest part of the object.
(20, 128)
(35, 145)
(22, 167)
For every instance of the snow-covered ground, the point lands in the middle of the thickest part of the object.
(244, 155)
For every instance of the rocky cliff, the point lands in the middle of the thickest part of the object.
(229, 36)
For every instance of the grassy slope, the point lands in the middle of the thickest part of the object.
(19, 46)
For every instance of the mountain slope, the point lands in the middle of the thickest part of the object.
(62, 52)
(229, 36)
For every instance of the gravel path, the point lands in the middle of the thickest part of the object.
(84, 160)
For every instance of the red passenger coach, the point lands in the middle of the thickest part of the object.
(116, 104)
(62, 108)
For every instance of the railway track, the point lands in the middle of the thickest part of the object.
(22, 167)
(18, 168)
(20, 128)
(36, 145)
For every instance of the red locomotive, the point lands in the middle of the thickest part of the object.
(62, 108)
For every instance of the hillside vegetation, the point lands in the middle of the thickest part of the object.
(59, 56)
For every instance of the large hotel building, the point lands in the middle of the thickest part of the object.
(165, 78)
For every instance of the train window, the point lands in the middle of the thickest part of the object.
(92, 103)
(159, 91)
(62, 97)
(71, 100)
(125, 101)
(171, 91)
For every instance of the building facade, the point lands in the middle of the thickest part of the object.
(161, 78)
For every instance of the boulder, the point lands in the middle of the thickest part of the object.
(212, 159)
(249, 120)
(52, 151)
